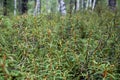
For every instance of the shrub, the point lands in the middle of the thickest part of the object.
(51, 47)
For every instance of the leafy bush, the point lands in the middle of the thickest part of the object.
(51, 47)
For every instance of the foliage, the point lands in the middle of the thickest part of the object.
(52, 47)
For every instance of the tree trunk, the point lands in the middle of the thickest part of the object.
(5, 7)
(37, 7)
(90, 3)
(24, 6)
(62, 7)
(82, 4)
(77, 4)
(93, 5)
(87, 4)
(71, 6)
(19, 6)
(112, 4)
(15, 7)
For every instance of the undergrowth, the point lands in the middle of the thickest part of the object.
(84, 46)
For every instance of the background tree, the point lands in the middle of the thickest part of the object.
(82, 4)
(77, 5)
(112, 4)
(24, 6)
(37, 7)
(71, 6)
(93, 5)
(62, 7)
(5, 7)
(15, 6)
(19, 6)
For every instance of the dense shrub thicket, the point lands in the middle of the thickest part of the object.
(84, 46)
